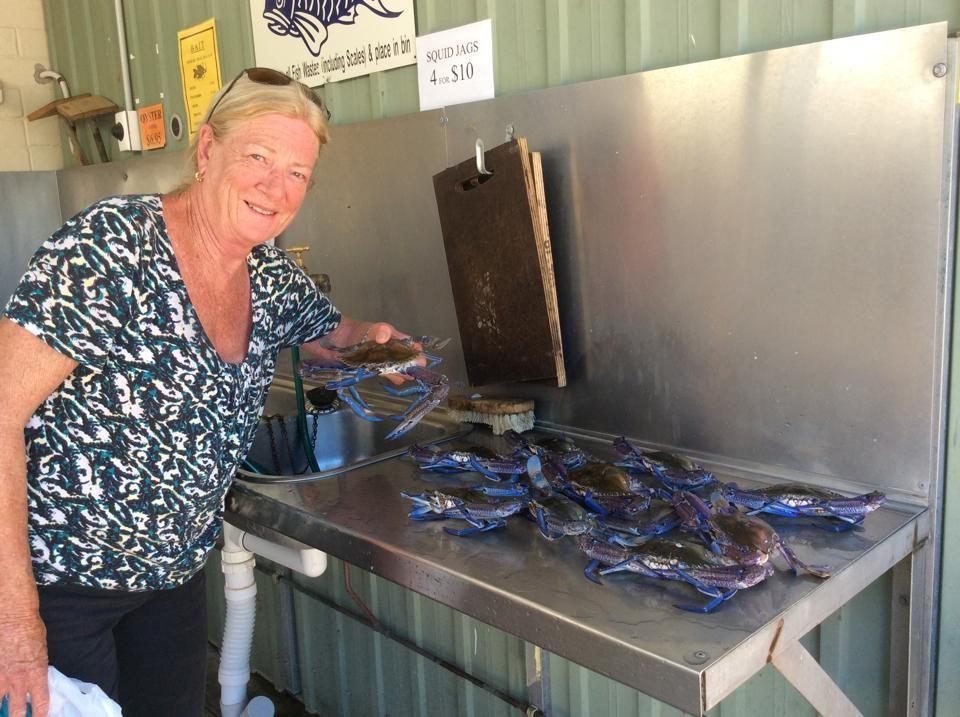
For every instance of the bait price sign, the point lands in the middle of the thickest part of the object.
(455, 66)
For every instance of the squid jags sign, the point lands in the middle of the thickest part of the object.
(320, 41)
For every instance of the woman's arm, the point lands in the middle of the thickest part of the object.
(29, 372)
(351, 331)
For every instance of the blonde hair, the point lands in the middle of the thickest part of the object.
(244, 100)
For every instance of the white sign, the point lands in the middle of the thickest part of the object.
(455, 66)
(320, 42)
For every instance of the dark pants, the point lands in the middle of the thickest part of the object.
(147, 650)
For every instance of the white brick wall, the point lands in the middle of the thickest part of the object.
(24, 145)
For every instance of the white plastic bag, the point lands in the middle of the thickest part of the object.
(73, 698)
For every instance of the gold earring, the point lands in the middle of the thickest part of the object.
(198, 175)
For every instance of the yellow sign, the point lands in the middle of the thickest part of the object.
(199, 70)
(152, 132)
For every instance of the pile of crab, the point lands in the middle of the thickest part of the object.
(654, 514)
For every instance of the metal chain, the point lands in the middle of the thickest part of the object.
(313, 432)
(286, 441)
(268, 422)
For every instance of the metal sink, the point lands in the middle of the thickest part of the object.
(342, 441)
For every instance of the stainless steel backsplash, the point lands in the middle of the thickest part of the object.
(751, 253)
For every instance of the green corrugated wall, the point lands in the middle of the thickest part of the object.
(347, 669)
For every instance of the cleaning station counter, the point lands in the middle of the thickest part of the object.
(753, 260)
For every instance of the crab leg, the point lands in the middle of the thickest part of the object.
(432, 360)
(350, 380)
(819, 571)
(591, 572)
(480, 526)
(544, 528)
(425, 513)
(716, 593)
(600, 552)
(350, 396)
(437, 391)
(476, 465)
(402, 392)
(846, 523)
(509, 490)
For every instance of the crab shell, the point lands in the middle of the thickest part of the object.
(672, 461)
(393, 356)
(601, 479)
(750, 539)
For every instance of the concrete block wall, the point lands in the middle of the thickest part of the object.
(25, 146)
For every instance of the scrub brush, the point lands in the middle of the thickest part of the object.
(500, 414)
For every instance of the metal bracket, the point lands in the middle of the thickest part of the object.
(481, 166)
(537, 669)
(805, 674)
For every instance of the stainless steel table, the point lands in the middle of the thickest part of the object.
(626, 629)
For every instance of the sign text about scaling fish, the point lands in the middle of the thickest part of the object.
(357, 57)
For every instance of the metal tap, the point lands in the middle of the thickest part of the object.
(321, 280)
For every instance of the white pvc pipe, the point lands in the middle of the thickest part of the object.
(240, 590)
(290, 554)
(124, 56)
(52, 75)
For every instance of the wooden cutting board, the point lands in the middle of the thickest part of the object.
(497, 242)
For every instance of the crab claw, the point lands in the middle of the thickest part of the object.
(429, 343)
(435, 387)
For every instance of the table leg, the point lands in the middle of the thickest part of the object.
(900, 636)
(537, 664)
(803, 672)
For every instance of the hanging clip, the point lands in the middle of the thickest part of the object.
(481, 167)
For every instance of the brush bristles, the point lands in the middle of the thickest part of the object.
(518, 422)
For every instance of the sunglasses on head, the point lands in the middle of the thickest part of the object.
(267, 76)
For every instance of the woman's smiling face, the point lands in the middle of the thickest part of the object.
(255, 179)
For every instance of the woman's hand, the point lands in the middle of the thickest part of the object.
(23, 666)
(350, 332)
(382, 332)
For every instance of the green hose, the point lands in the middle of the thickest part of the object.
(253, 467)
(302, 412)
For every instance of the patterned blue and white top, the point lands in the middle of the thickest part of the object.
(130, 458)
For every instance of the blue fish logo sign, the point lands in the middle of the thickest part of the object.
(310, 20)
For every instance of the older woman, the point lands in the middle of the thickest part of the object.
(135, 357)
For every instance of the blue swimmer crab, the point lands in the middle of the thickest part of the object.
(557, 448)
(464, 504)
(660, 517)
(602, 487)
(476, 458)
(368, 359)
(675, 559)
(676, 472)
(796, 500)
(744, 538)
(558, 516)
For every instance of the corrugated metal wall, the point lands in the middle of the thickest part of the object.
(348, 669)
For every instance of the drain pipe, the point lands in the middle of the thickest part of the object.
(42, 75)
(240, 590)
(127, 124)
